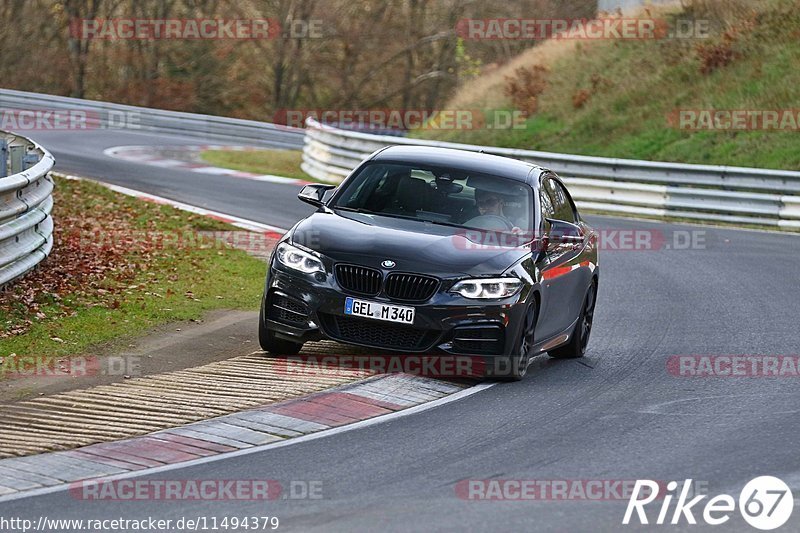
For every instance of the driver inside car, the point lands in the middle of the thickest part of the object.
(490, 206)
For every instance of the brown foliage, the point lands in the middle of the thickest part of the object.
(525, 87)
(580, 98)
(724, 12)
(723, 52)
(368, 53)
(716, 55)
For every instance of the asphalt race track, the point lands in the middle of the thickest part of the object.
(618, 414)
(81, 153)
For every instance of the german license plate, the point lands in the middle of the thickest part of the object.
(379, 311)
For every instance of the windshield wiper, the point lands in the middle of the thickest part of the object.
(355, 210)
(368, 212)
(442, 223)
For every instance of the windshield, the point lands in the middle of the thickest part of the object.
(445, 196)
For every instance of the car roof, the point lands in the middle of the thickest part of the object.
(494, 165)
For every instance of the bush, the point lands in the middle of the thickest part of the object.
(526, 86)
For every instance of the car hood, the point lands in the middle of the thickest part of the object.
(415, 246)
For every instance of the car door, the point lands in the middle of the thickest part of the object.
(563, 279)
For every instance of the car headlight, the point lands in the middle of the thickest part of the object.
(487, 289)
(297, 259)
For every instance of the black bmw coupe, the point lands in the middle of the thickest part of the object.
(437, 251)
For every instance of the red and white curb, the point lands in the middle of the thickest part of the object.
(321, 414)
(154, 155)
(250, 225)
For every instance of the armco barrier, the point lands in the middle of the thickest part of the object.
(144, 119)
(26, 228)
(622, 186)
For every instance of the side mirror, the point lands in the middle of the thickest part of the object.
(562, 232)
(314, 193)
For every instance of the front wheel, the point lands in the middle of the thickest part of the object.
(579, 340)
(269, 343)
(517, 363)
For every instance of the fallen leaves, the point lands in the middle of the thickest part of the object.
(100, 245)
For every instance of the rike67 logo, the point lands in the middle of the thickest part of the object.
(765, 503)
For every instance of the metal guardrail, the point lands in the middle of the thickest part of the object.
(26, 227)
(709, 193)
(111, 116)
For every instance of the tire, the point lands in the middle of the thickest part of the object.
(579, 340)
(518, 362)
(269, 343)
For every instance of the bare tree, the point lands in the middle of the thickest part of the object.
(78, 44)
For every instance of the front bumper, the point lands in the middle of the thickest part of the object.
(309, 307)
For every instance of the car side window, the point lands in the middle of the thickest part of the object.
(561, 202)
(358, 196)
(548, 211)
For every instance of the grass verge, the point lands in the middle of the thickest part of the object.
(276, 162)
(618, 98)
(119, 267)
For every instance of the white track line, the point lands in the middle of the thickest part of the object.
(150, 155)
